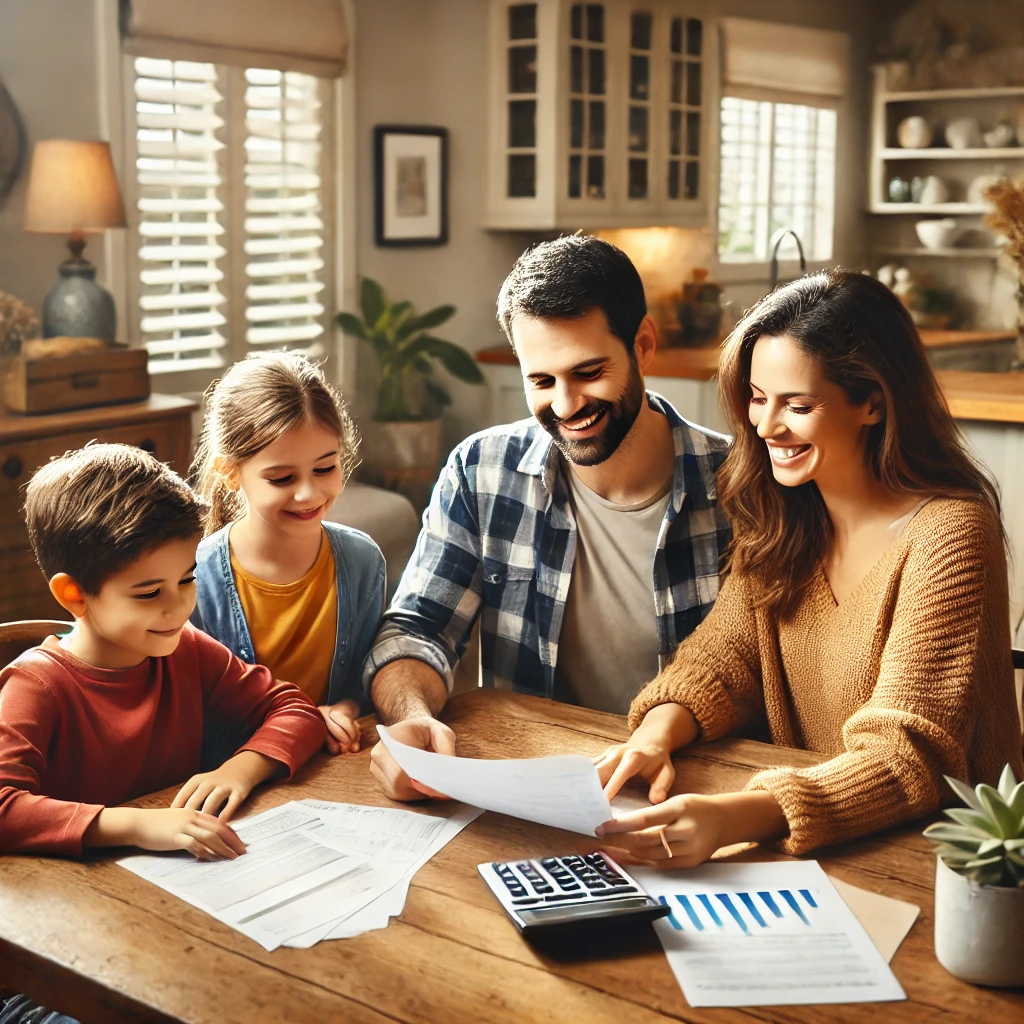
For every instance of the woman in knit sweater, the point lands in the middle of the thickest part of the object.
(865, 614)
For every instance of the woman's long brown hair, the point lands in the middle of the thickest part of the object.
(866, 343)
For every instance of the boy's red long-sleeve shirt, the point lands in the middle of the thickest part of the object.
(75, 739)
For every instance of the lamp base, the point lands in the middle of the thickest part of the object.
(77, 307)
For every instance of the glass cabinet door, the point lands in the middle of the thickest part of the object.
(685, 103)
(587, 102)
(521, 180)
(641, 78)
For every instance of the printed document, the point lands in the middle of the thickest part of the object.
(561, 791)
(766, 934)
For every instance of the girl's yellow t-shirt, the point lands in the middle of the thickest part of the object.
(294, 626)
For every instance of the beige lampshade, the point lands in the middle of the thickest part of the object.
(72, 187)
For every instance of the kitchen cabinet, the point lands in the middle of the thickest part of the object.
(599, 114)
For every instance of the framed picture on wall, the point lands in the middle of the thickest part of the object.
(410, 185)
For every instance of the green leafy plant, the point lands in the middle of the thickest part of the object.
(985, 841)
(406, 350)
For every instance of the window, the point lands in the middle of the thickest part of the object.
(777, 171)
(231, 212)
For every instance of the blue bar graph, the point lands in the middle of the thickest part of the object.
(672, 917)
(779, 908)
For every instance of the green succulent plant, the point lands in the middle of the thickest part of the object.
(404, 349)
(985, 840)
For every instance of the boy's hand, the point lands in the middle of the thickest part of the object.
(224, 789)
(343, 733)
(203, 835)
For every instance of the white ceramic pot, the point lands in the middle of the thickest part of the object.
(914, 133)
(402, 456)
(933, 191)
(979, 929)
(964, 133)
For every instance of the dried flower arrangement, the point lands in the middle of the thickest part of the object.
(1007, 218)
(18, 323)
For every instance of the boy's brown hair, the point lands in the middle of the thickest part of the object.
(92, 512)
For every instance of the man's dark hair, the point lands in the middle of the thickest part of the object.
(566, 278)
(93, 512)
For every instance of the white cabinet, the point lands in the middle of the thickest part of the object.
(599, 114)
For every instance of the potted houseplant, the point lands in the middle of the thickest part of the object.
(979, 884)
(403, 449)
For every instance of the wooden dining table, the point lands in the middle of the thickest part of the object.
(97, 942)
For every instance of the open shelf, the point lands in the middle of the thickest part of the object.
(990, 92)
(948, 153)
(952, 252)
(964, 208)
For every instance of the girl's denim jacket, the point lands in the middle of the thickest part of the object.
(361, 585)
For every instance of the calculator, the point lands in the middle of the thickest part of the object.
(552, 894)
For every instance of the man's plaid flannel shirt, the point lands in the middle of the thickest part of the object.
(499, 540)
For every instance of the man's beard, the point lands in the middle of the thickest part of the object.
(619, 417)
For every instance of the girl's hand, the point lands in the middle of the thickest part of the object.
(686, 830)
(203, 835)
(343, 732)
(224, 789)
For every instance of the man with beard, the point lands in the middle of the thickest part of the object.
(587, 539)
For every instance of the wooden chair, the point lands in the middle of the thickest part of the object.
(17, 637)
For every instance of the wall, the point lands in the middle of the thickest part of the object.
(48, 64)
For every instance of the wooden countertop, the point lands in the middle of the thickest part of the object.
(971, 395)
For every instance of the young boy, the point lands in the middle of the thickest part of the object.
(116, 708)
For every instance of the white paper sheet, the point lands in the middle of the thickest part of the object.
(766, 934)
(396, 844)
(285, 883)
(561, 791)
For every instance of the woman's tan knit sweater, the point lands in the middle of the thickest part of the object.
(907, 679)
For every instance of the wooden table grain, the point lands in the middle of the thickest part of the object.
(104, 945)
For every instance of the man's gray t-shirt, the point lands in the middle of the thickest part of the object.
(608, 644)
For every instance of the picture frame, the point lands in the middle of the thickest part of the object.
(410, 185)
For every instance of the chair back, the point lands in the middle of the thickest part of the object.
(18, 637)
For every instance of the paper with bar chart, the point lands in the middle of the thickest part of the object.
(768, 934)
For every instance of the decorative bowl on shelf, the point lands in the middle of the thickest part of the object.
(964, 133)
(914, 133)
(938, 234)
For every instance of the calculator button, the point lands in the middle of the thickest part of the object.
(616, 889)
(558, 896)
(542, 887)
(549, 863)
(525, 901)
(595, 883)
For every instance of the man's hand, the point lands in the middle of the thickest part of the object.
(424, 733)
(224, 789)
(203, 835)
(343, 733)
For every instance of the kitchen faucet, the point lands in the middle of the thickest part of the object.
(775, 242)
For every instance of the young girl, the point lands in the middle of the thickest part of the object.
(866, 612)
(276, 583)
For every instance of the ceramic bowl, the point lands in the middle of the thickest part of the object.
(964, 133)
(938, 234)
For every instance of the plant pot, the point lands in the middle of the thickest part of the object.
(979, 929)
(403, 456)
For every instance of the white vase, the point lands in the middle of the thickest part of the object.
(964, 133)
(402, 456)
(979, 929)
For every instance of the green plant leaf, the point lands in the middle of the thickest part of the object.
(456, 360)
(1016, 804)
(965, 793)
(956, 835)
(1017, 856)
(997, 810)
(438, 392)
(374, 302)
(1014, 844)
(432, 318)
(954, 858)
(1007, 783)
(973, 819)
(351, 325)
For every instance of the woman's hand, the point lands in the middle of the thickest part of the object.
(343, 732)
(648, 752)
(686, 830)
(223, 790)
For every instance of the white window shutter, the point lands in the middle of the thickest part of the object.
(181, 221)
(284, 229)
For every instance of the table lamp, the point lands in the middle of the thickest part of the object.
(72, 190)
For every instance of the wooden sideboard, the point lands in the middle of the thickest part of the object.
(162, 425)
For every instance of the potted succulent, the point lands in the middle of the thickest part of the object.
(979, 883)
(403, 449)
